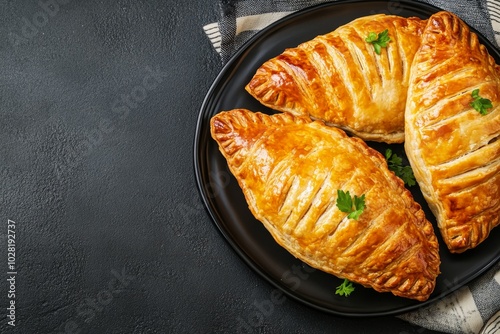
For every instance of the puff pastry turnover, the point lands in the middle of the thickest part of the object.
(338, 77)
(290, 169)
(454, 151)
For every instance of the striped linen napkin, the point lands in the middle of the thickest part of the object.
(467, 309)
(241, 19)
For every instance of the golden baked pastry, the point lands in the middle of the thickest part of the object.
(453, 149)
(339, 78)
(290, 169)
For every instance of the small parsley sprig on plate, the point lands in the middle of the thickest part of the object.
(479, 103)
(395, 164)
(345, 204)
(345, 289)
(379, 40)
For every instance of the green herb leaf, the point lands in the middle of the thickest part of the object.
(359, 205)
(479, 103)
(344, 201)
(372, 37)
(395, 164)
(379, 41)
(345, 204)
(345, 289)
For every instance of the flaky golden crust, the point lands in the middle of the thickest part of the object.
(453, 149)
(290, 169)
(338, 78)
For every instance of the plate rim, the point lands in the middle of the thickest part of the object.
(214, 216)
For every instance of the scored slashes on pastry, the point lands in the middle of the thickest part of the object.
(453, 149)
(290, 169)
(339, 78)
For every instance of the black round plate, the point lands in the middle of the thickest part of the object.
(228, 208)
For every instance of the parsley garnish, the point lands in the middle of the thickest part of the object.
(395, 164)
(345, 288)
(345, 203)
(379, 41)
(479, 103)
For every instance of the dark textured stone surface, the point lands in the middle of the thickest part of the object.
(98, 106)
